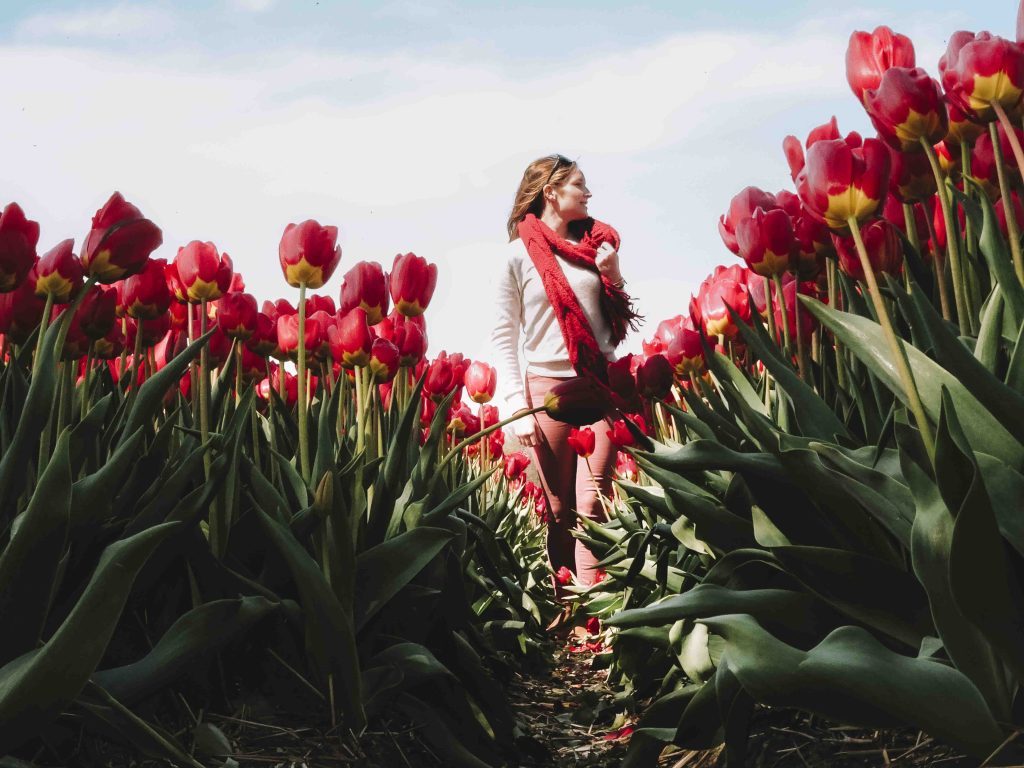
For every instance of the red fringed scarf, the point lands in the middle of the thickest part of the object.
(542, 244)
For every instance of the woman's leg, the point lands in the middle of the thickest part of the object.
(589, 504)
(556, 464)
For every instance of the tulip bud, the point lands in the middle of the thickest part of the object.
(726, 286)
(741, 207)
(869, 56)
(18, 239)
(76, 343)
(97, 313)
(383, 365)
(564, 576)
(20, 312)
(654, 377)
(840, 182)
(685, 354)
(291, 386)
(619, 434)
(58, 273)
(766, 241)
(412, 284)
(481, 381)
(110, 345)
(979, 70)
(366, 286)
(204, 273)
(237, 315)
(883, 245)
(893, 213)
(907, 107)
(351, 340)
(320, 303)
(440, 378)
(622, 384)
(288, 334)
(578, 401)
(119, 242)
(515, 465)
(309, 253)
(582, 441)
(263, 342)
(910, 178)
(626, 468)
(462, 421)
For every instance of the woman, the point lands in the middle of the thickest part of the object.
(560, 293)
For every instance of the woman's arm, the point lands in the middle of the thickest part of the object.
(504, 339)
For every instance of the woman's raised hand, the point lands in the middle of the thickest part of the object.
(527, 431)
(607, 261)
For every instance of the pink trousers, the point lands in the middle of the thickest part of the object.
(569, 485)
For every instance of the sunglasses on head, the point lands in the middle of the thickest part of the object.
(558, 160)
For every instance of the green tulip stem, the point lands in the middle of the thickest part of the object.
(952, 241)
(483, 459)
(378, 416)
(136, 354)
(801, 351)
(833, 301)
(911, 224)
(193, 370)
(483, 433)
(939, 270)
(238, 371)
(271, 410)
(1012, 228)
(44, 323)
(87, 380)
(1011, 134)
(769, 306)
(360, 421)
(777, 279)
(895, 344)
(303, 405)
(254, 425)
(342, 404)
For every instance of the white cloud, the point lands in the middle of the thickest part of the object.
(252, 6)
(104, 23)
(406, 153)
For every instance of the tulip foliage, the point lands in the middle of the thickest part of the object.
(825, 513)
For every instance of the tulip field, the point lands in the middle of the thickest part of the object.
(214, 512)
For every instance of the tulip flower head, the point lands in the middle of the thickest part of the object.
(654, 377)
(578, 401)
(807, 321)
(980, 70)
(685, 354)
(238, 316)
(383, 365)
(366, 286)
(263, 341)
(907, 107)
(884, 247)
(910, 176)
(619, 434)
(97, 313)
(58, 273)
(622, 384)
(742, 207)
(120, 241)
(309, 253)
(18, 239)
(582, 441)
(351, 340)
(766, 241)
(481, 381)
(564, 576)
(412, 284)
(626, 468)
(725, 287)
(841, 181)
(870, 55)
(144, 295)
(462, 421)
(794, 150)
(20, 312)
(515, 465)
(204, 273)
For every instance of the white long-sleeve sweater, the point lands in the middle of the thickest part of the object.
(524, 314)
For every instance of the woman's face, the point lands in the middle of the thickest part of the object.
(570, 199)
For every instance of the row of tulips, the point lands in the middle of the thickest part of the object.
(824, 511)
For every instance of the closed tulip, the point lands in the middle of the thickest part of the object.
(984, 169)
(980, 70)
(685, 354)
(910, 177)
(626, 468)
(654, 377)
(619, 434)
(515, 465)
(174, 284)
(893, 213)
(884, 247)
(18, 239)
(273, 384)
(20, 312)
(841, 182)
(351, 340)
(578, 401)
(412, 284)
(622, 384)
(383, 365)
(263, 341)
(812, 242)
(110, 345)
(481, 381)
(320, 303)
(906, 108)
(462, 421)
(76, 343)
(309, 253)
(366, 286)
(582, 441)
(237, 315)
(441, 377)
(58, 273)
(97, 313)
(120, 241)
(153, 330)
(726, 286)
(288, 334)
(144, 295)
(870, 55)
(766, 241)
(204, 273)
(742, 207)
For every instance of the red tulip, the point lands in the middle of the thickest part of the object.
(907, 107)
(291, 386)
(366, 286)
(910, 177)
(204, 273)
(564, 576)
(807, 321)
(654, 377)
(110, 345)
(962, 130)
(351, 340)
(766, 241)
(76, 343)
(462, 421)
(794, 150)
(309, 254)
(153, 330)
(1018, 211)
(58, 273)
(440, 378)
(741, 207)
(144, 295)
(253, 367)
(582, 441)
(119, 242)
(320, 303)
(481, 381)
(263, 342)
(237, 315)
(489, 417)
(383, 365)
(288, 334)
(18, 239)
(578, 401)
(984, 169)
(980, 70)
(319, 346)
(412, 284)
(275, 309)
(812, 243)
(622, 384)
(515, 465)
(685, 354)
(724, 286)
(20, 312)
(885, 250)
(626, 468)
(840, 182)
(97, 313)
(869, 56)
(619, 434)
(893, 213)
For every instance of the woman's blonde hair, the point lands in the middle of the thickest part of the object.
(553, 169)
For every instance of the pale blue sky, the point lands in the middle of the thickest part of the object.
(408, 123)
